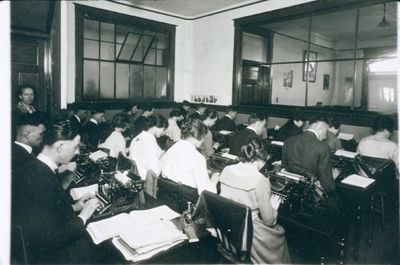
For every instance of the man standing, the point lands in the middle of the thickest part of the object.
(91, 131)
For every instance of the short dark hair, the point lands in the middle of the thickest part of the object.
(232, 108)
(175, 113)
(97, 110)
(120, 120)
(33, 119)
(59, 131)
(212, 114)
(257, 116)
(129, 106)
(76, 107)
(186, 103)
(156, 120)
(194, 128)
(383, 122)
(20, 89)
(299, 116)
(334, 122)
(148, 107)
(201, 105)
(319, 118)
(253, 150)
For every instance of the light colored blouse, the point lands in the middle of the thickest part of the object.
(173, 131)
(145, 151)
(183, 163)
(207, 147)
(378, 146)
(116, 143)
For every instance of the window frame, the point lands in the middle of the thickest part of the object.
(84, 12)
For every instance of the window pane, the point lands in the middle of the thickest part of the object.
(324, 88)
(160, 57)
(107, 51)
(90, 49)
(106, 80)
(149, 82)
(107, 32)
(90, 29)
(136, 85)
(294, 29)
(151, 57)
(161, 82)
(287, 49)
(122, 81)
(162, 41)
(139, 52)
(126, 52)
(90, 79)
(287, 82)
(254, 48)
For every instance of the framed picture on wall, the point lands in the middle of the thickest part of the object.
(288, 79)
(326, 82)
(309, 66)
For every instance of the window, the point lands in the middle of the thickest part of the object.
(122, 58)
(333, 53)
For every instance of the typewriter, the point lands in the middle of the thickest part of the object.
(298, 192)
(219, 161)
(117, 193)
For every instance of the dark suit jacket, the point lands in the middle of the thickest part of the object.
(195, 115)
(76, 124)
(306, 152)
(239, 139)
(19, 157)
(91, 134)
(44, 211)
(288, 130)
(225, 123)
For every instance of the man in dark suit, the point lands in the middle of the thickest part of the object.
(78, 117)
(41, 207)
(184, 109)
(257, 125)
(309, 152)
(227, 122)
(91, 131)
(29, 134)
(140, 123)
(199, 113)
(292, 127)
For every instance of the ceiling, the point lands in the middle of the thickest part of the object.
(188, 8)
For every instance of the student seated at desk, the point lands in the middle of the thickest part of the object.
(140, 122)
(184, 163)
(173, 131)
(331, 136)
(41, 207)
(378, 145)
(199, 113)
(116, 141)
(227, 122)
(257, 126)
(144, 149)
(292, 127)
(207, 149)
(244, 183)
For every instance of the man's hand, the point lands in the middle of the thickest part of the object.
(80, 204)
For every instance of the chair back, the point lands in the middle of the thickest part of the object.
(232, 222)
(175, 195)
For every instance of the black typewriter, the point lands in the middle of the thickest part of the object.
(217, 162)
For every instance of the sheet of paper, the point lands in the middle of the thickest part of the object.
(110, 227)
(77, 193)
(345, 136)
(358, 181)
(345, 153)
(277, 143)
(97, 155)
(224, 132)
(229, 156)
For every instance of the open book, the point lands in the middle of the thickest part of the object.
(119, 224)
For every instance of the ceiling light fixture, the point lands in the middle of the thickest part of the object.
(383, 23)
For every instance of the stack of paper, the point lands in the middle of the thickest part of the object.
(345, 153)
(77, 193)
(121, 223)
(358, 181)
(97, 155)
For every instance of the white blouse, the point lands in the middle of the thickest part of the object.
(173, 131)
(145, 151)
(183, 163)
(116, 143)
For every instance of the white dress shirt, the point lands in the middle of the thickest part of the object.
(116, 143)
(25, 146)
(183, 163)
(145, 151)
(173, 131)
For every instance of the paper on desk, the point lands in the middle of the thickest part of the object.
(358, 181)
(225, 132)
(277, 163)
(277, 143)
(116, 225)
(77, 193)
(345, 153)
(229, 156)
(345, 136)
(97, 155)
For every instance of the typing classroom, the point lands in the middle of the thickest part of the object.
(202, 132)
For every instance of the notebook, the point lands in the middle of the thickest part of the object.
(358, 181)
